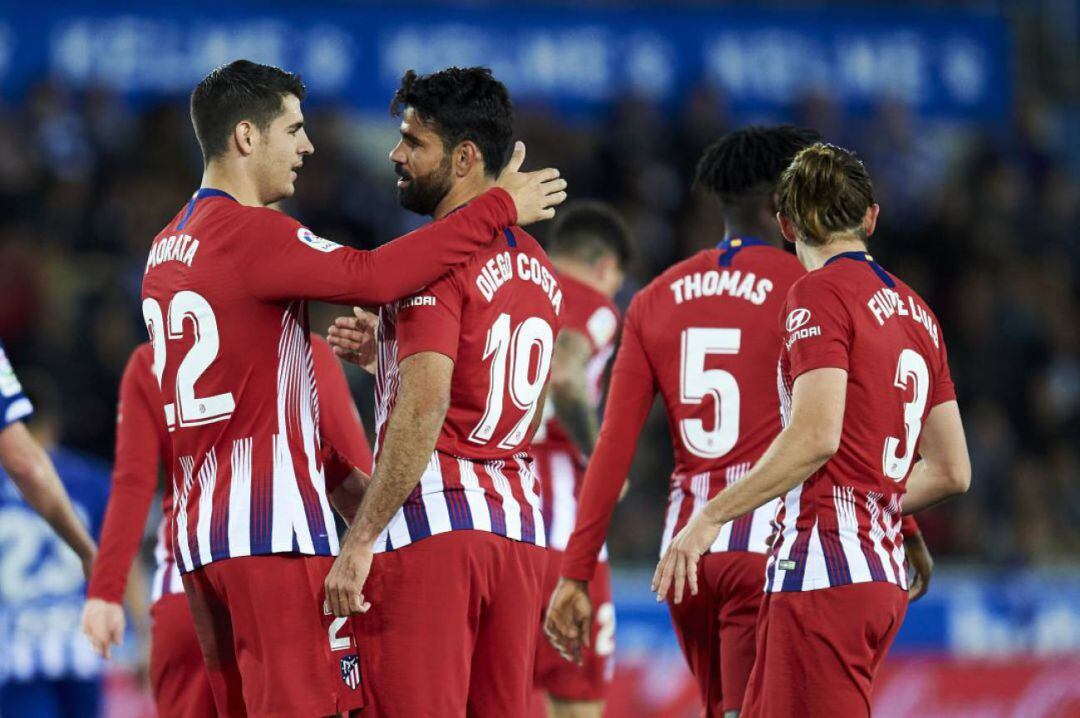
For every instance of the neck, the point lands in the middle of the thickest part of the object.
(759, 222)
(815, 257)
(463, 191)
(576, 269)
(227, 177)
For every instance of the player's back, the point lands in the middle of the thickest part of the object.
(496, 316)
(843, 524)
(708, 327)
(234, 363)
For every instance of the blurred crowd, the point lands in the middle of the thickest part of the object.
(982, 222)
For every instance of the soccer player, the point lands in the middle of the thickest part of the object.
(864, 388)
(450, 528)
(702, 334)
(32, 471)
(47, 669)
(590, 249)
(224, 302)
(178, 677)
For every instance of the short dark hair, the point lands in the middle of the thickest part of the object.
(587, 230)
(241, 90)
(748, 162)
(462, 104)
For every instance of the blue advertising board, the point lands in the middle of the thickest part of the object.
(944, 64)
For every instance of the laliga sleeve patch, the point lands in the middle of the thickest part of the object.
(602, 325)
(312, 240)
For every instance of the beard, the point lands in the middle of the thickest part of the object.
(423, 194)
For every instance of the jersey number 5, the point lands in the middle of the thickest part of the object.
(188, 306)
(696, 382)
(512, 354)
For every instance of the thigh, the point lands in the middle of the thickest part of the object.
(697, 626)
(502, 660)
(214, 633)
(741, 588)
(417, 639)
(178, 676)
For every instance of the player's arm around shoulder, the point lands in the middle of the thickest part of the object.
(413, 428)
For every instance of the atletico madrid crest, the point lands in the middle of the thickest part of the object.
(350, 671)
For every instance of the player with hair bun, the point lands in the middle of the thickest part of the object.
(865, 389)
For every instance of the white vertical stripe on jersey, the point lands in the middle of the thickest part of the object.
(207, 479)
(309, 429)
(240, 498)
(431, 485)
(877, 533)
(723, 539)
(761, 526)
(474, 495)
(289, 515)
(529, 484)
(187, 466)
(816, 574)
(674, 507)
(397, 530)
(510, 505)
(563, 503)
(893, 532)
(787, 535)
(848, 528)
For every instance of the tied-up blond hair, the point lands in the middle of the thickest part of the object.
(825, 191)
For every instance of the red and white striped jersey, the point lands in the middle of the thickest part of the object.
(559, 462)
(224, 302)
(842, 525)
(496, 316)
(143, 445)
(702, 334)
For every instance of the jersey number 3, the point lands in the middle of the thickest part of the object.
(696, 382)
(189, 409)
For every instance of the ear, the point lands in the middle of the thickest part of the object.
(869, 221)
(244, 135)
(466, 156)
(787, 228)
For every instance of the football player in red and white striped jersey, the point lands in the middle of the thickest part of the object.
(178, 676)
(450, 527)
(703, 334)
(865, 389)
(590, 248)
(224, 301)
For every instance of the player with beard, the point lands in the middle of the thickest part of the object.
(224, 300)
(446, 553)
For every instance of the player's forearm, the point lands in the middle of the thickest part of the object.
(926, 486)
(411, 262)
(409, 443)
(35, 477)
(347, 496)
(792, 458)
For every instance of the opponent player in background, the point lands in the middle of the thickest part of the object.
(704, 335)
(31, 470)
(180, 683)
(590, 250)
(865, 389)
(47, 669)
(224, 301)
(447, 547)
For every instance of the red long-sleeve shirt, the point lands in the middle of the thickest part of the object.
(142, 447)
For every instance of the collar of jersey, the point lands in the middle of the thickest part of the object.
(730, 247)
(864, 257)
(201, 193)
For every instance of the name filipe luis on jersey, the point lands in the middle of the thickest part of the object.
(882, 304)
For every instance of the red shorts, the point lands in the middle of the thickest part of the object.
(452, 627)
(178, 675)
(716, 627)
(818, 651)
(559, 677)
(270, 648)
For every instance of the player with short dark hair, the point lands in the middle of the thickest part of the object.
(702, 334)
(447, 546)
(864, 388)
(590, 248)
(224, 296)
